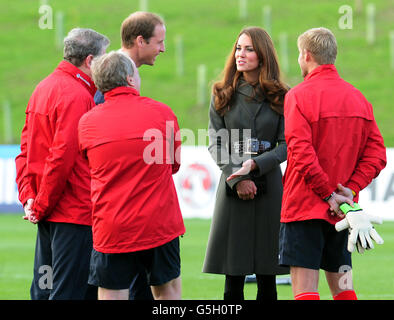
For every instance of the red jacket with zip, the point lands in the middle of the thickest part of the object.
(50, 168)
(332, 138)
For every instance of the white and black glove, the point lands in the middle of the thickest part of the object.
(361, 230)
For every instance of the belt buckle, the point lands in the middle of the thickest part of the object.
(238, 147)
(264, 146)
(251, 146)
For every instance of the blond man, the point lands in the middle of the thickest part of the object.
(334, 150)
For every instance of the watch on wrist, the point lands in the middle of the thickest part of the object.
(329, 197)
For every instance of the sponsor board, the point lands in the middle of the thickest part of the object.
(9, 202)
(197, 193)
(197, 181)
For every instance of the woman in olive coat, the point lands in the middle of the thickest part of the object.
(246, 131)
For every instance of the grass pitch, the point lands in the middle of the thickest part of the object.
(373, 271)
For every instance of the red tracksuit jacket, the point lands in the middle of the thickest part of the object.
(131, 145)
(332, 138)
(50, 168)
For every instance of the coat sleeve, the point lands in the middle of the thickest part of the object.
(23, 181)
(372, 160)
(271, 159)
(219, 146)
(301, 152)
(62, 155)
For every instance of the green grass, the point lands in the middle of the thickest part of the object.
(373, 271)
(208, 28)
(16, 257)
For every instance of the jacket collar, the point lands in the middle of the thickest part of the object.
(78, 75)
(246, 89)
(324, 69)
(120, 91)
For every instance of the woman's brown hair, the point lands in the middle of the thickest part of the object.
(269, 81)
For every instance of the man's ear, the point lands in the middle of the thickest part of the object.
(130, 81)
(139, 41)
(308, 56)
(88, 61)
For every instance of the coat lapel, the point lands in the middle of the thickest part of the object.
(247, 90)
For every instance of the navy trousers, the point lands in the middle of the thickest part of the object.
(61, 262)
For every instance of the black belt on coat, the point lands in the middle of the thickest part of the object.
(251, 146)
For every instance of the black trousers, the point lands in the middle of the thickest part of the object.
(61, 262)
(266, 287)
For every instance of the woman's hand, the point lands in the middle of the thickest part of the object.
(247, 166)
(246, 189)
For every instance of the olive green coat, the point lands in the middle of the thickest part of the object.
(244, 235)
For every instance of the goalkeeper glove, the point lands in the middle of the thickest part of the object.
(361, 230)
